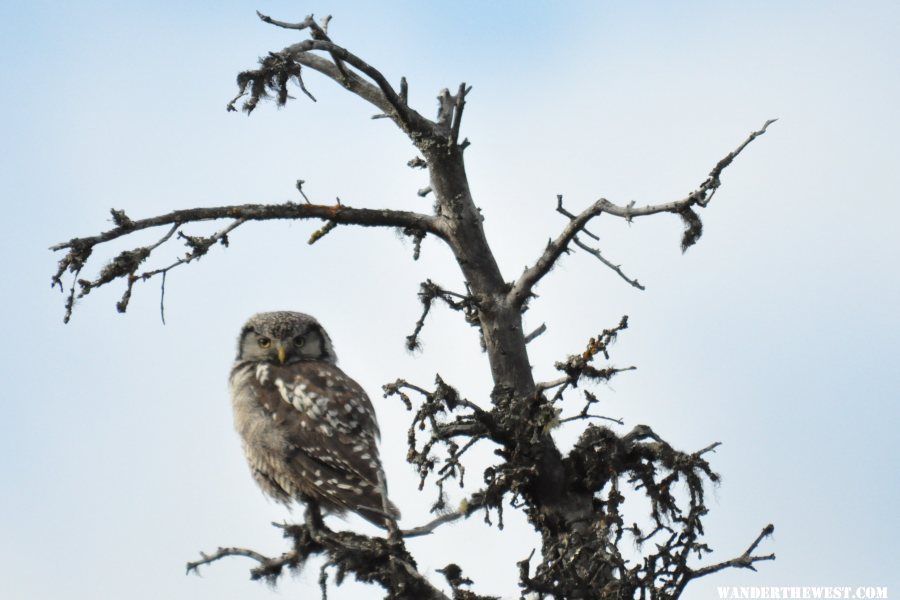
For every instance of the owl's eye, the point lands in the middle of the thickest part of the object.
(299, 340)
(264, 342)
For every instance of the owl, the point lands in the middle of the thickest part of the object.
(308, 430)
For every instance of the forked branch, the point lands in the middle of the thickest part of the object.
(354, 74)
(744, 561)
(577, 223)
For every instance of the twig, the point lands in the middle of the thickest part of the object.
(318, 234)
(709, 448)
(163, 239)
(536, 333)
(579, 417)
(432, 525)
(199, 247)
(306, 23)
(460, 102)
(404, 90)
(267, 564)
(577, 366)
(563, 211)
(616, 268)
(299, 184)
(549, 385)
(744, 561)
(162, 298)
(428, 293)
(318, 32)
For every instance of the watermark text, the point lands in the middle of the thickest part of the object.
(802, 592)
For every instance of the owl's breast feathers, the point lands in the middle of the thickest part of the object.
(310, 431)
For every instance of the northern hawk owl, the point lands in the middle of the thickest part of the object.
(309, 431)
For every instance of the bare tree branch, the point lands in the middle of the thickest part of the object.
(376, 91)
(370, 559)
(126, 264)
(744, 561)
(345, 215)
(578, 366)
(590, 400)
(536, 333)
(317, 32)
(367, 82)
(268, 567)
(428, 293)
(432, 525)
(476, 424)
(307, 23)
(699, 197)
(459, 102)
(600, 257)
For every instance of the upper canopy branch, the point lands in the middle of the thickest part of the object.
(367, 82)
(684, 207)
(382, 94)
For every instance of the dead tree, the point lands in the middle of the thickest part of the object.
(572, 501)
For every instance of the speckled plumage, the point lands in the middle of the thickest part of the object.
(309, 430)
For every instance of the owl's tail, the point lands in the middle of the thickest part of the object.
(384, 509)
(377, 515)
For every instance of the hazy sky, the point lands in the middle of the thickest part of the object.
(776, 335)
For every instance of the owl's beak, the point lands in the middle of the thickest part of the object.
(281, 353)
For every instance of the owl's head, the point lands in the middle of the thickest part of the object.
(284, 337)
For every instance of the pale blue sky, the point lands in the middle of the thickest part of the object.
(776, 335)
